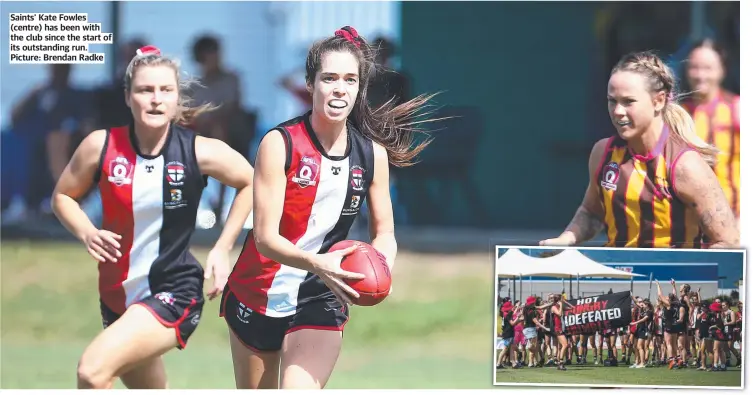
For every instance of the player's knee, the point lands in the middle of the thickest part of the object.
(92, 376)
(300, 382)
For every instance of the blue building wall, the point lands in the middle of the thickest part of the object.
(726, 267)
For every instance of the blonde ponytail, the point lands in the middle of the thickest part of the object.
(682, 126)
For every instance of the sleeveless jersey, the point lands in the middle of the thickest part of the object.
(718, 123)
(151, 201)
(323, 194)
(528, 316)
(669, 318)
(686, 317)
(557, 323)
(727, 317)
(640, 204)
(508, 330)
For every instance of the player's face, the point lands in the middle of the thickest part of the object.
(154, 95)
(335, 87)
(632, 107)
(705, 70)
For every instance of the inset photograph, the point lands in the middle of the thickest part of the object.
(619, 317)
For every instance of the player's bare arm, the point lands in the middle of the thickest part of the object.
(697, 186)
(75, 181)
(380, 208)
(219, 161)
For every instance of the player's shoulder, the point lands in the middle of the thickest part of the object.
(598, 150)
(95, 140)
(602, 144)
(380, 152)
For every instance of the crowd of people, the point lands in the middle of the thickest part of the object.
(678, 330)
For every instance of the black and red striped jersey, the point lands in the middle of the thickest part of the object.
(323, 194)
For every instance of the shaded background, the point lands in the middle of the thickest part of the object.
(528, 80)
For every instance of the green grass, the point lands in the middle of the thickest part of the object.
(621, 375)
(433, 331)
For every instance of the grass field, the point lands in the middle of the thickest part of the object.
(620, 375)
(433, 331)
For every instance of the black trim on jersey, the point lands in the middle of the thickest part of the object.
(312, 135)
(288, 147)
(135, 141)
(196, 159)
(101, 161)
(283, 129)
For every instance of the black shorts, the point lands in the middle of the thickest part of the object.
(179, 310)
(641, 334)
(717, 335)
(674, 329)
(259, 332)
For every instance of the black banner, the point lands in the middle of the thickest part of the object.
(596, 313)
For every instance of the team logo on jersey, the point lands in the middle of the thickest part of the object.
(243, 313)
(165, 297)
(353, 206)
(356, 177)
(121, 171)
(307, 172)
(176, 172)
(176, 199)
(610, 176)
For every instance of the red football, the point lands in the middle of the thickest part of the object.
(375, 287)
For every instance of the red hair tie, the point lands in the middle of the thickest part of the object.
(148, 50)
(351, 35)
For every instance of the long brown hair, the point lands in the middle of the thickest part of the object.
(392, 126)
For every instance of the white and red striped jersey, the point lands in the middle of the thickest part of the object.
(151, 201)
(322, 197)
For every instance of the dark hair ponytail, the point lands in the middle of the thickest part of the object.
(392, 126)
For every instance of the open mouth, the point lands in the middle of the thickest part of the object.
(155, 112)
(623, 123)
(338, 104)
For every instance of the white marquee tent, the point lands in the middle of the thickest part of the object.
(569, 263)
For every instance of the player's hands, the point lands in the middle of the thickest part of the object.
(218, 265)
(327, 267)
(103, 245)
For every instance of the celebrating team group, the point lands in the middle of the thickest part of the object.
(679, 331)
(286, 301)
